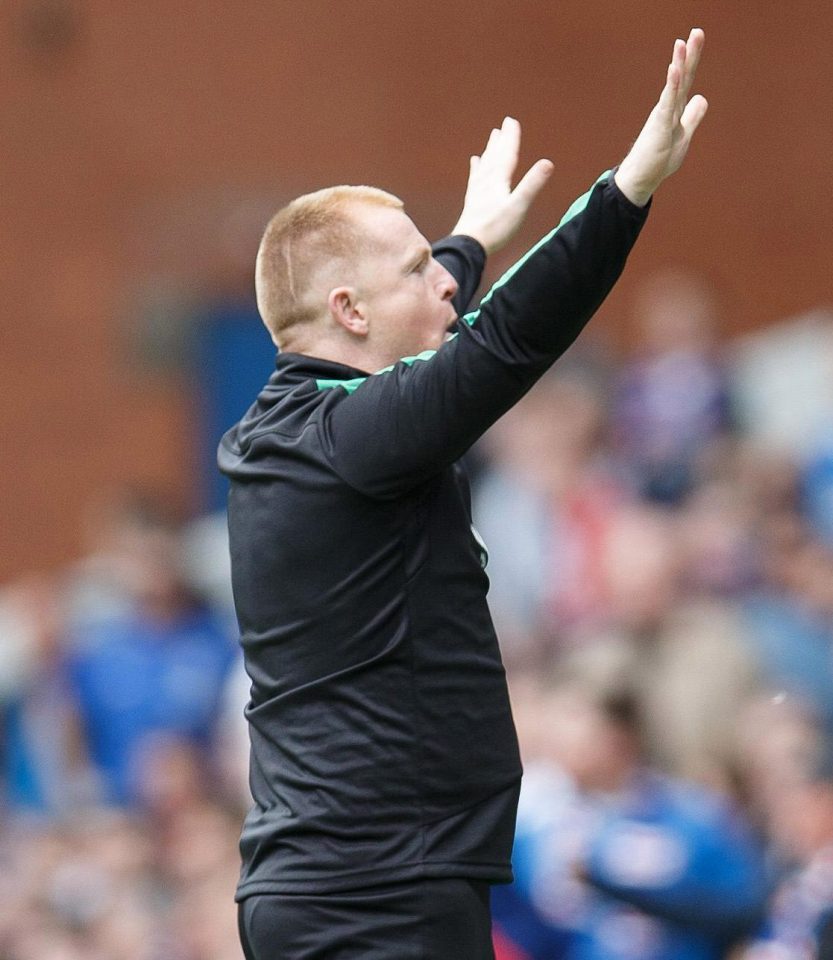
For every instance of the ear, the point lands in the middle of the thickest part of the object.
(347, 310)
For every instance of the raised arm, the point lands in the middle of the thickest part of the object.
(464, 258)
(492, 210)
(398, 427)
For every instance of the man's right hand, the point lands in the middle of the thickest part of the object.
(492, 210)
(663, 142)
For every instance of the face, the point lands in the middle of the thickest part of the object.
(596, 753)
(404, 293)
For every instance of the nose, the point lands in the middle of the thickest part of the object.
(445, 284)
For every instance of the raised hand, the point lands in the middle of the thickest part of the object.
(663, 142)
(492, 210)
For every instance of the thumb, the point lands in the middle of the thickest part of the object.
(692, 115)
(533, 182)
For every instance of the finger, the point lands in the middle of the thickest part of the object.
(492, 148)
(667, 102)
(492, 140)
(694, 50)
(532, 182)
(678, 58)
(510, 143)
(693, 115)
(679, 53)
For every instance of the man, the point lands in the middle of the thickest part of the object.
(384, 762)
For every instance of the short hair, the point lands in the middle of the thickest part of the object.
(310, 232)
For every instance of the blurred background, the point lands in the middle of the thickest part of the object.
(659, 511)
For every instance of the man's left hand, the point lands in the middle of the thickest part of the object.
(663, 142)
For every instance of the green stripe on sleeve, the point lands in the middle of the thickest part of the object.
(575, 209)
(425, 355)
(349, 385)
(352, 385)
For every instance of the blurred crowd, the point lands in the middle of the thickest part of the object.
(660, 536)
(123, 746)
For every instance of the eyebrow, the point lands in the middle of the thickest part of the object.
(417, 257)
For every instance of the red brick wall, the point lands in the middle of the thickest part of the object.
(130, 128)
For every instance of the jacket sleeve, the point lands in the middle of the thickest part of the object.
(389, 432)
(464, 258)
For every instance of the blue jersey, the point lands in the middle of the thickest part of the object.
(135, 677)
(661, 871)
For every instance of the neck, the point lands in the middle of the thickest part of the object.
(359, 355)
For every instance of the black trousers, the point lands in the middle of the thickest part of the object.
(422, 920)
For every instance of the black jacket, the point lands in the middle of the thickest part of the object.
(383, 747)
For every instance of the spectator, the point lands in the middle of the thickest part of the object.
(156, 669)
(546, 509)
(800, 815)
(789, 617)
(619, 860)
(672, 400)
(43, 758)
(120, 525)
(817, 486)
